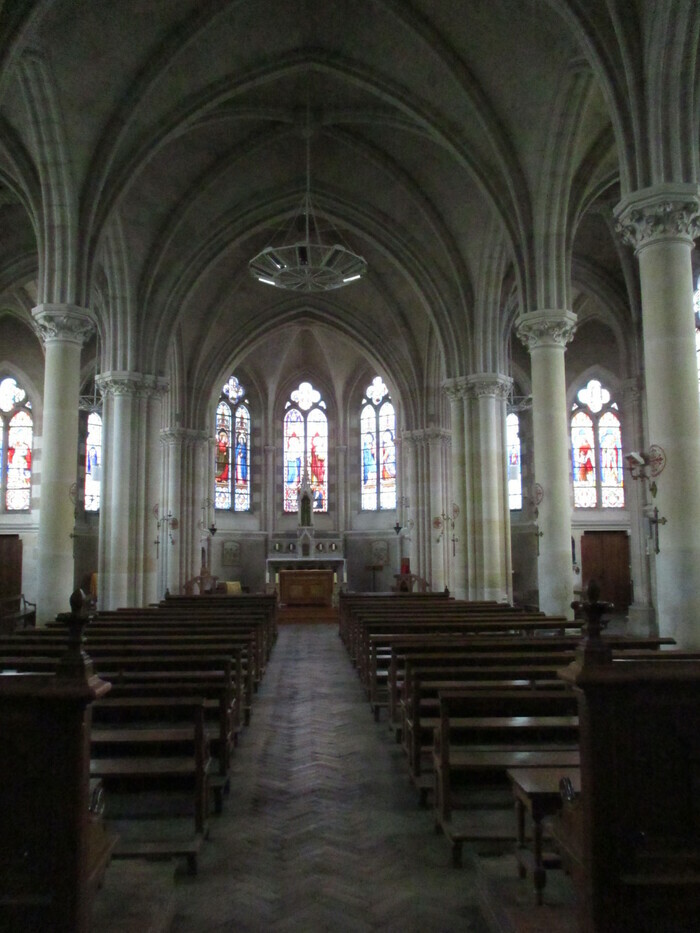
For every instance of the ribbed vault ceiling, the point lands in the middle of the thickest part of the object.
(181, 125)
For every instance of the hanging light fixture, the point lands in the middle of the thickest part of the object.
(312, 263)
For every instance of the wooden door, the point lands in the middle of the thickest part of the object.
(605, 557)
(10, 565)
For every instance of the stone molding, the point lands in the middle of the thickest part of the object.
(136, 385)
(546, 329)
(489, 385)
(664, 212)
(63, 323)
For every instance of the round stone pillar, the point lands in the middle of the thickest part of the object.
(63, 330)
(546, 334)
(661, 224)
(490, 505)
(457, 390)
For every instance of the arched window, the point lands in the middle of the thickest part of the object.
(515, 481)
(596, 449)
(305, 447)
(93, 462)
(16, 434)
(378, 448)
(232, 474)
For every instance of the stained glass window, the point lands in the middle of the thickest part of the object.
(93, 462)
(16, 436)
(232, 470)
(596, 449)
(515, 481)
(305, 448)
(378, 448)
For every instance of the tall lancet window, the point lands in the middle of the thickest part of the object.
(93, 462)
(305, 447)
(232, 472)
(378, 448)
(515, 481)
(596, 449)
(16, 435)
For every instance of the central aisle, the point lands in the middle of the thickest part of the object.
(322, 830)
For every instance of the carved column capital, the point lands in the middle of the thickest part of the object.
(660, 213)
(63, 323)
(546, 328)
(138, 385)
(184, 437)
(456, 389)
(489, 385)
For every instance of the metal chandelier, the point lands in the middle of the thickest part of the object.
(310, 264)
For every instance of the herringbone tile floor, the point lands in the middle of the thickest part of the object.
(322, 830)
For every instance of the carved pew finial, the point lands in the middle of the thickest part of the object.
(593, 649)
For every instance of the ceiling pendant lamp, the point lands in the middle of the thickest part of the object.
(307, 260)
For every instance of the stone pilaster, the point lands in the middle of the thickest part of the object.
(546, 334)
(63, 330)
(661, 224)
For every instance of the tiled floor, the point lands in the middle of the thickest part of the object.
(322, 831)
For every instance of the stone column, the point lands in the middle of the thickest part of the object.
(269, 488)
(130, 483)
(661, 224)
(170, 510)
(341, 452)
(490, 505)
(63, 330)
(456, 390)
(441, 550)
(410, 471)
(546, 334)
(641, 614)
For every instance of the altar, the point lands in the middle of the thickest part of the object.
(275, 565)
(306, 587)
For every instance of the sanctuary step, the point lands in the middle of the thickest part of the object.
(292, 615)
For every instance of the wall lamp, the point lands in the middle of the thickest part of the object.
(646, 467)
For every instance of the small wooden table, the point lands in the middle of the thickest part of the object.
(536, 790)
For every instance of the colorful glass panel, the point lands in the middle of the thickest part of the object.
(368, 481)
(293, 456)
(222, 473)
(378, 448)
(241, 459)
(583, 453)
(93, 463)
(19, 462)
(610, 440)
(387, 457)
(317, 458)
(233, 390)
(11, 394)
(515, 482)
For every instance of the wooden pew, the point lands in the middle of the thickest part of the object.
(157, 759)
(486, 733)
(637, 855)
(421, 707)
(386, 648)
